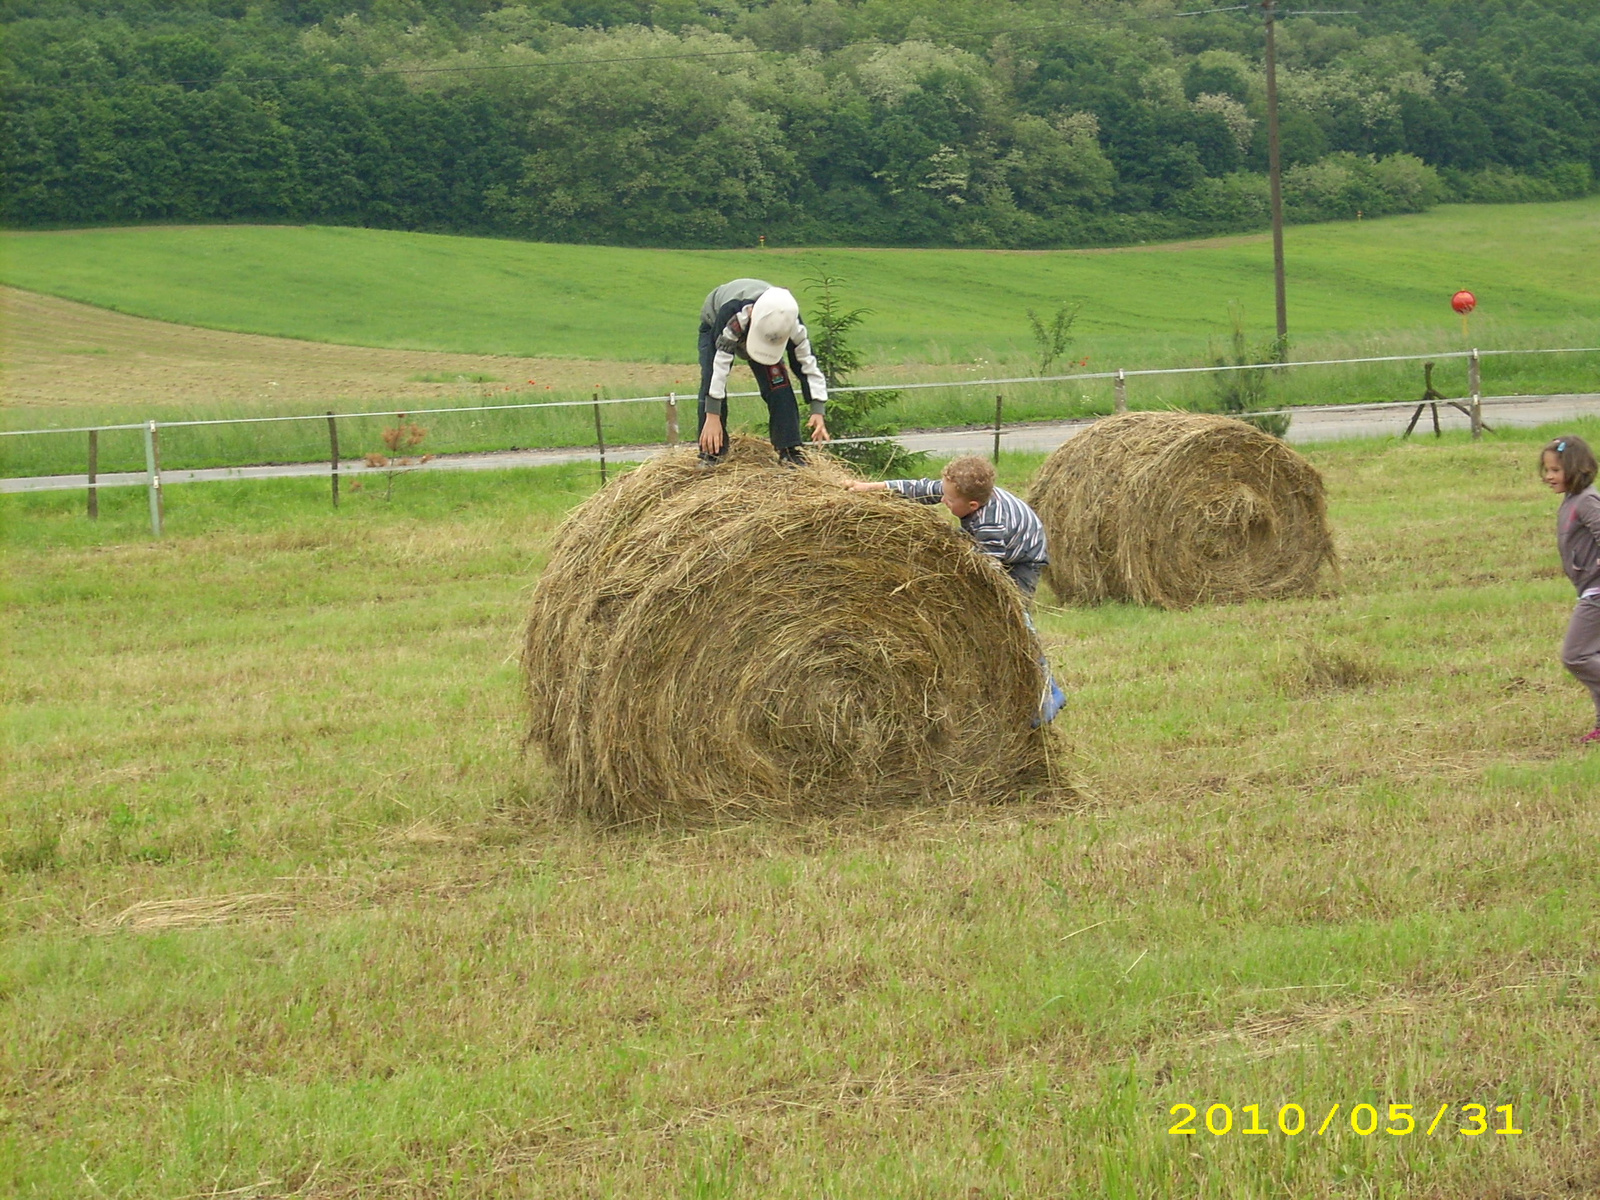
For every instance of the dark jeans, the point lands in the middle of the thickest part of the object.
(1026, 577)
(777, 389)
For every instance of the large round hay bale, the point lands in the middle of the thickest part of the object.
(1177, 509)
(758, 638)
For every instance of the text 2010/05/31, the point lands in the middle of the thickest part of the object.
(1399, 1120)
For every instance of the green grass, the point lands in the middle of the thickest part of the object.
(1529, 265)
(644, 424)
(1357, 289)
(307, 441)
(1337, 850)
(456, 377)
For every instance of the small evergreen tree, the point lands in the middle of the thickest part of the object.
(1243, 394)
(399, 440)
(852, 414)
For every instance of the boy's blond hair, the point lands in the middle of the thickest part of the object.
(970, 477)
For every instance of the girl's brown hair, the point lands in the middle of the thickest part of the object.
(1576, 459)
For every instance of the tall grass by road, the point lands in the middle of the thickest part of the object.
(462, 428)
(280, 912)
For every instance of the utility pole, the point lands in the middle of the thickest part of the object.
(1275, 182)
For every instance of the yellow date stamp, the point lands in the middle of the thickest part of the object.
(1364, 1120)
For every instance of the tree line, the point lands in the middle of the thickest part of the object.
(693, 123)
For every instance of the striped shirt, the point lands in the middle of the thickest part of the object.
(1005, 528)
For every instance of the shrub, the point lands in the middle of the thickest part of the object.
(1497, 184)
(1238, 201)
(1342, 185)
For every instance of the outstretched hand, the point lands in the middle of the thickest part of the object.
(819, 428)
(862, 485)
(711, 434)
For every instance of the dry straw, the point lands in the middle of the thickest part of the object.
(193, 912)
(758, 638)
(1176, 509)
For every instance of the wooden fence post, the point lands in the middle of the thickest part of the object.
(333, 455)
(600, 437)
(1475, 386)
(94, 470)
(1120, 404)
(672, 418)
(999, 405)
(152, 466)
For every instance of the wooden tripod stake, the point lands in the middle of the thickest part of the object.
(1432, 398)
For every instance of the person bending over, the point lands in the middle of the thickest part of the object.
(751, 319)
(1004, 527)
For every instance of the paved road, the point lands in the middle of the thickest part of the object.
(1310, 425)
(1323, 424)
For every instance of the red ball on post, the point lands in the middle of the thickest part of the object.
(1463, 302)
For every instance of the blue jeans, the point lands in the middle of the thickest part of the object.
(1051, 699)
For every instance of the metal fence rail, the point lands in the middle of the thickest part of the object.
(673, 397)
(152, 476)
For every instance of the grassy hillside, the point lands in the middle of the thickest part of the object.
(279, 914)
(1531, 266)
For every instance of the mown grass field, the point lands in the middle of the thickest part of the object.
(1529, 265)
(281, 913)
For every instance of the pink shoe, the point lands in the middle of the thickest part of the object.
(1591, 738)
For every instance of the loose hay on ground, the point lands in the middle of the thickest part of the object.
(756, 638)
(1177, 509)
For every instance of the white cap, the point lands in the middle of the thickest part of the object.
(773, 321)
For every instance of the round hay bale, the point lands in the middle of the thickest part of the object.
(1177, 509)
(758, 638)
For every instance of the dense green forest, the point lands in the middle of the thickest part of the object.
(694, 122)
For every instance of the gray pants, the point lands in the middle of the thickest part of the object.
(1580, 653)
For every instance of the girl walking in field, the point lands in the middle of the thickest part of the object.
(1568, 466)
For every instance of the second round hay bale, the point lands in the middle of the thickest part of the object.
(759, 638)
(1176, 509)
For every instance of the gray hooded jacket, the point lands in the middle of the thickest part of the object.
(1578, 536)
